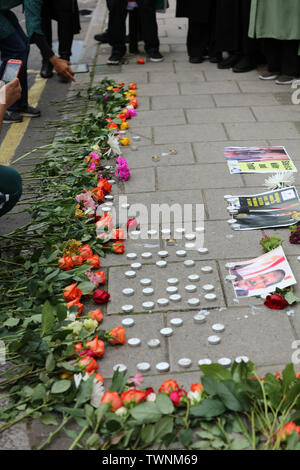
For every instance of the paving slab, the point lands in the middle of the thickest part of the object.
(152, 118)
(226, 86)
(213, 152)
(220, 115)
(245, 99)
(277, 113)
(196, 176)
(189, 133)
(262, 130)
(144, 158)
(182, 102)
(159, 283)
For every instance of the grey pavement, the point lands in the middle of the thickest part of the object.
(196, 110)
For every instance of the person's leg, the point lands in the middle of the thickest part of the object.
(65, 33)
(248, 47)
(149, 24)
(133, 30)
(272, 51)
(289, 58)
(47, 67)
(197, 40)
(16, 46)
(117, 26)
(10, 188)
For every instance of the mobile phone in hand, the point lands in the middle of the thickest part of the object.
(12, 70)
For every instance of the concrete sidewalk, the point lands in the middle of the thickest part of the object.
(197, 110)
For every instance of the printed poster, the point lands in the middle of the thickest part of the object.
(263, 275)
(278, 208)
(258, 160)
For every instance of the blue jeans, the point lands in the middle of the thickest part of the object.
(16, 46)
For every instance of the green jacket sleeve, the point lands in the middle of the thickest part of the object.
(32, 9)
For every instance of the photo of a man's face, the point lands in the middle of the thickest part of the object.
(262, 281)
(262, 275)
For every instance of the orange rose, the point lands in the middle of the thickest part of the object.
(287, 430)
(125, 141)
(76, 303)
(118, 248)
(133, 396)
(122, 116)
(89, 364)
(97, 346)
(118, 234)
(134, 102)
(99, 378)
(132, 86)
(66, 263)
(94, 261)
(77, 260)
(72, 292)
(168, 386)
(112, 125)
(106, 221)
(98, 194)
(117, 335)
(77, 347)
(113, 399)
(85, 251)
(104, 185)
(96, 315)
(197, 388)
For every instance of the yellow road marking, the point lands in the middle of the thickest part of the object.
(16, 131)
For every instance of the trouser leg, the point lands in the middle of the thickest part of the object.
(272, 51)
(290, 58)
(198, 38)
(16, 46)
(148, 21)
(116, 24)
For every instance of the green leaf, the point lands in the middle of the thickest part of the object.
(48, 419)
(61, 386)
(146, 413)
(119, 381)
(86, 287)
(148, 434)
(200, 445)
(61, 311)
(288, 376)
(164, 404)
(291, 298)
(240, 443)
(217, 371)
(47, 318)
(210, 385)
(10, 322)
(229, 395)
(50, 363)
(163, 427)
(85, 391)
(205, 435)
(208, 408)
(186, 437)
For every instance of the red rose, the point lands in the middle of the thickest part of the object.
(275, 302)
(101, 297)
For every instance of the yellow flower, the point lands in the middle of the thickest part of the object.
(125, 141)
(109, 88)
(72, 247)
(78, 212)
(124, 126)
(90, 324)
(132, 92)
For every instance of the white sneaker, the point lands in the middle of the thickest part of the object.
(268, 76)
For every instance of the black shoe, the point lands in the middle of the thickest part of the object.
(155, 55)
(116, 58)
(195, 60)
(11, 116)
(47, 69)
(29, 111)
(245, 64)
(103, 37)
(215, 59)
(229, 62)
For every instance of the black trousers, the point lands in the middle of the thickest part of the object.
(198, 38)
(282, 56)
(117, 26)
(232, 24)
(62, 13)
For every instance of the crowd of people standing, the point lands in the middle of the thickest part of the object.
(250, 32)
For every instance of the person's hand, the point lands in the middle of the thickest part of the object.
(62, 67)
(11, 92)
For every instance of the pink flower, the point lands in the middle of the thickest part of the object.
(87, 200)
(123, 169)
(132, 224)
(97, 278)
(137, 379)
(176, 396)
(131, 111)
